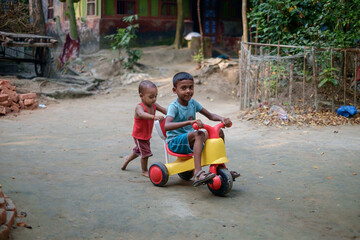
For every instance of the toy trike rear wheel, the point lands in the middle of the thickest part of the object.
(186, 175)
(158, 174)
(226, 182)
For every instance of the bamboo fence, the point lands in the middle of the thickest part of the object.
(267, 77)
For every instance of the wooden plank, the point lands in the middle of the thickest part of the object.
(23, 35)
(292, 46)
(27, 44)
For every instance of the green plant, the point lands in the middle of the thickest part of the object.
(328, 80)
(198, 58)
(122, 40)
(327, 77)
(320, 23)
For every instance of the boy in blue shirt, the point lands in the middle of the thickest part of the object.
(181, 115)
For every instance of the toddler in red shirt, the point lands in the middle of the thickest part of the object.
(143, 124)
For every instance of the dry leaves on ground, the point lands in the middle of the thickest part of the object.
(262, 115)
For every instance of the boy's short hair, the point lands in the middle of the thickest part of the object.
(146, 84)
(181, 76)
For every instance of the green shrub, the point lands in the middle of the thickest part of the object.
(122, 40)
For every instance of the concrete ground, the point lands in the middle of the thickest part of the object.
(297, 183)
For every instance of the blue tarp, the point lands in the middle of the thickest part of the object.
(346, 111)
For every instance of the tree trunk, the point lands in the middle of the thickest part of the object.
(71, 47)
(201, 31)
(179, 25)
(244, 20)
(72, 19)
(37, 16)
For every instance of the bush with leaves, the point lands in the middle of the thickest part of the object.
(198, 58)
(320, 23)
(122, 41)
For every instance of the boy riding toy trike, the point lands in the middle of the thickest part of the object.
(213, 154)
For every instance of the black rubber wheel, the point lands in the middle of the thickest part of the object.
(43, 62)
(2, 50)
(226, 182)
(158, 174)
(186, 175)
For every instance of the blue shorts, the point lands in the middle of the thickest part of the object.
(180, 144)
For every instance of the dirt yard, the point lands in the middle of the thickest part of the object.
(61, 165)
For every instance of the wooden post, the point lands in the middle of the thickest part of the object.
(246, 77)
(256, 37)
(248, 70)
(244, 21)
(241, 62)
(262, 75)
(268, 74)
(256, 80)
(332, 85)
(355, 85)
(291, 83)
(345, 76)
(304, 79)
(314, 79)
(200, 28)
(277, 70)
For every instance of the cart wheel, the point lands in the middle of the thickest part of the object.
(222, 183)
(158, 174)
(2, 50)
(186, 175)
(43, 61)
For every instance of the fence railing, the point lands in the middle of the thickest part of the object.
(270, 75)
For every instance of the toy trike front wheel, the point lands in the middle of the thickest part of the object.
(158, 174)
(222, 183)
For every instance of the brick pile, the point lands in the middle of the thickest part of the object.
(10, 101)
(7, 216)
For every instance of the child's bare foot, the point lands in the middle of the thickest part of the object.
(145, 174)
(126, 162)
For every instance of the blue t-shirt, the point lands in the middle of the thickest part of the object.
(182, 113)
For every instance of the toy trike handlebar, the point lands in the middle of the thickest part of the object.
(212, 131)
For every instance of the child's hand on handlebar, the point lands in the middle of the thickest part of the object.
(198, 122)
(227, 122)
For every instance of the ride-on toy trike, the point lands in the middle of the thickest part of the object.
(213, 154)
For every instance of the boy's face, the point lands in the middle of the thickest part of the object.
(184, 90)
(148, 96)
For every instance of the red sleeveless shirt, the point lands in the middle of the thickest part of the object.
(143, 127)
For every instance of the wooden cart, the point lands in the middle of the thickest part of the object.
(40, 56)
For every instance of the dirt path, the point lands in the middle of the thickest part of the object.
(66, 160)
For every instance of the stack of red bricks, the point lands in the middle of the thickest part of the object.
(10, 101)
(7, 215)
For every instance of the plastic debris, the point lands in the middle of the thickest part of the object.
(278, 112)
(346, 111)
(191, 35)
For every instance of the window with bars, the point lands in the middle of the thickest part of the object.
(50, 9)
(91, 7)
(168, 8)
(125, 7)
